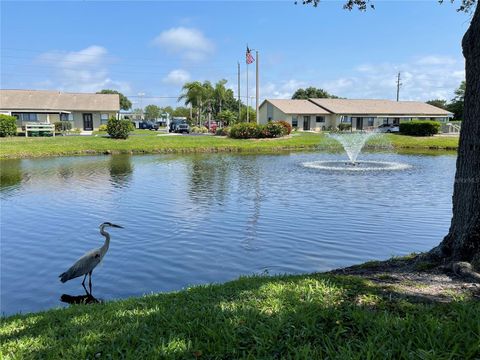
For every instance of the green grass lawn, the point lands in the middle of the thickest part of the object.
(317, 316)
(145, 141)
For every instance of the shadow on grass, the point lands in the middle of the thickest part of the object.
(306, 316)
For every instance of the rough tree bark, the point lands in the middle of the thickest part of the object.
(463, 240)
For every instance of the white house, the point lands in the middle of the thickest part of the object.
(325, 114)
(85, 111)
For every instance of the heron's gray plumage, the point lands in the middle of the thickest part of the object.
(90, 260)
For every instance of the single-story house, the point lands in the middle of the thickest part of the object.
(85, 111)
(325, 114)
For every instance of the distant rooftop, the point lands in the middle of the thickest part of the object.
(289, 106)
(56, 101)
(378, 107)
(357, 107)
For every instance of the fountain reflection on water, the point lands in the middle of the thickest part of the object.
(353, 143)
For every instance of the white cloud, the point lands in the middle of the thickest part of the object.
(177, 77)
(85, 70)
(422, 79)
(281, 90)
(189, 43)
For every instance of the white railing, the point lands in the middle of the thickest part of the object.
(450, 128)
(39, 127)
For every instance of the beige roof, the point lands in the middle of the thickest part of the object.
(54, 100)
(297, 107)
(379, 107)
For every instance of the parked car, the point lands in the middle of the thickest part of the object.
(148, 125)
(388, 128)
(213, 126)
(179, 126)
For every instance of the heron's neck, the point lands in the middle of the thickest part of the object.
(107, 238)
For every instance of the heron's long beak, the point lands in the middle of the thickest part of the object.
(117, 226)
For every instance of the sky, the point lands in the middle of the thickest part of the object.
(148, 50)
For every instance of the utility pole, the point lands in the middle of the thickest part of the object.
(398, 86)
(239, 101)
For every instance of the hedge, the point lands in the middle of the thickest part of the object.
(420, 128)
(254, 131)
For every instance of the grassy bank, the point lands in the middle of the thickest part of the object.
(19, 147)
(304, 317)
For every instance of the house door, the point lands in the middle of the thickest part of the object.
(306, 123)
(359, 124)
(87, 122)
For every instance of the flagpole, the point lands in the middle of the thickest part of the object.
(239, 102)
(257, 90)
(247, 93)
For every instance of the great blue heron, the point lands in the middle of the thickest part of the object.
(88, 262)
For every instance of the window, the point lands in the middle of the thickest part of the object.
(103, 118)
(370, 121)
(294, 122)
(26, 116)
(320, 119)
(66, 117)
(385, 121)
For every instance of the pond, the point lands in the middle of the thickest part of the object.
(207, 218)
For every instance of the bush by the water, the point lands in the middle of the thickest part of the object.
(119, 129)
(63, 126)
(344, 126)
(272, 130)
(245, 130)
(286, 125)
(8, 125)
(420, 128)
(255, 131)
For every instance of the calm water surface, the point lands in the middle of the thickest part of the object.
(207, 218)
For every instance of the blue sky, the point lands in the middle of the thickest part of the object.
(153, 47)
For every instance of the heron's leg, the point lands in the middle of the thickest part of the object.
(90, 282)
(84, 278)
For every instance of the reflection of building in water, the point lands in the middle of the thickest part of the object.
(65, 175)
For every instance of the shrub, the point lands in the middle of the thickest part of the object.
(63, 126)
(102, 127)
(119, 129)
(8, 125)
(420, 128)
(245, 131)
(287, 126)
(272, 130)
(344, 126)
(225, 131)
(199, 129)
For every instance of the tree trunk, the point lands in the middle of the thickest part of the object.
(463, 240)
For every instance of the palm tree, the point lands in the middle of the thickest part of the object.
(220, 93)
(193, 94)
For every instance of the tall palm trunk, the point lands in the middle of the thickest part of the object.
(463, 240)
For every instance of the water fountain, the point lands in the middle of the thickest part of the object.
(353, 143)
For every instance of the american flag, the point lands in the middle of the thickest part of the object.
(249, 56)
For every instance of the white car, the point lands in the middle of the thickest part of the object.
(388, 128)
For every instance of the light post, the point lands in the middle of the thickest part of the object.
(141, 95)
